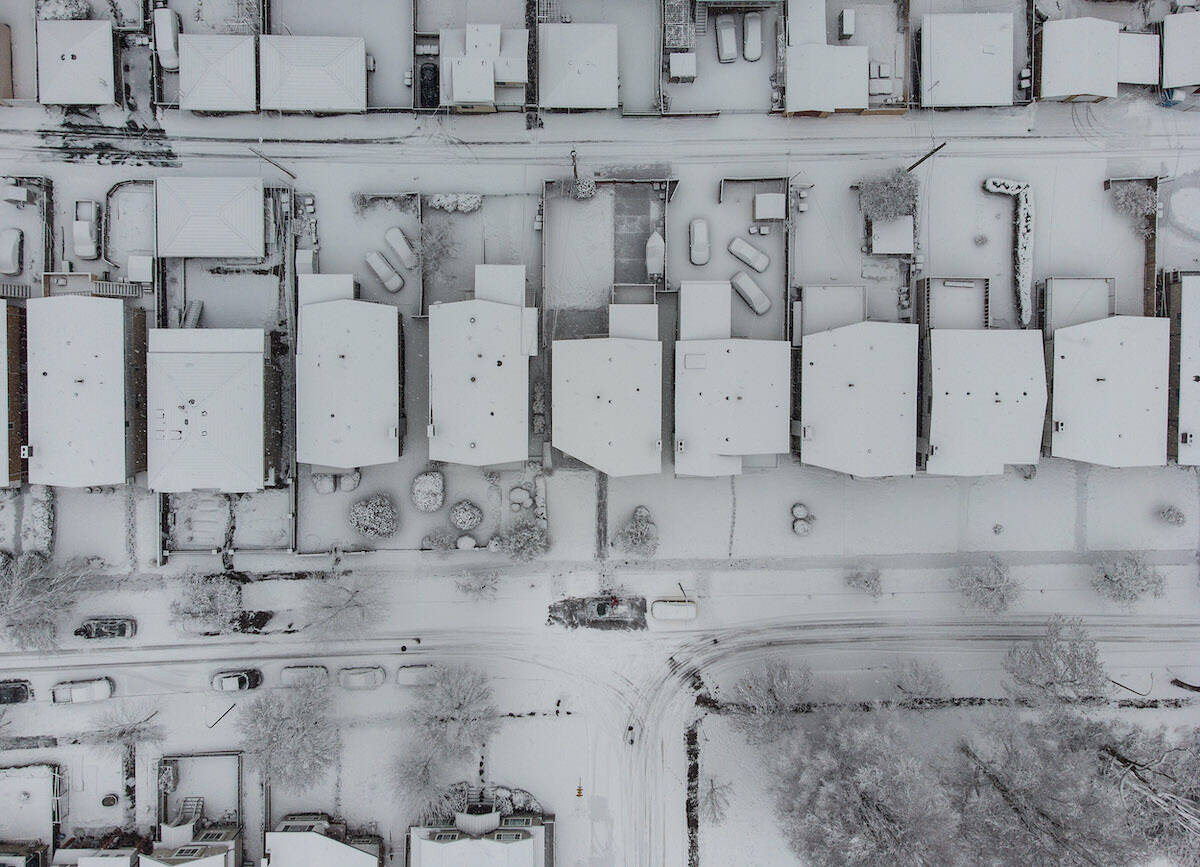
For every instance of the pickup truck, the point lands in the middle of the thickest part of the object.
(79, 691)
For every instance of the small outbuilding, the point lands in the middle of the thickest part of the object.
(821, 79)
(1180, 59)
(1079, 59)
(1137, 58)
(967, 59)
(217, 72)
(76, 62)
(210, 217)
(321, 74)
(577, 66)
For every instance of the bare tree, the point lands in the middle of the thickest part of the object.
(714, 801)
(454, 710)
(526, 540)
(638, 537)
(421, 776)
(289, 735)
(887, 197)
(1127, 578)
(213, 601)
(343, 604)
(122, 726)
(766, 699)
(864, 577)
(35, 594)
(987, 586)
(1062, 666)
(919, 678)
(479, 586)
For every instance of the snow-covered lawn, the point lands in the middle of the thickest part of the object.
(1123, 507)
(579, 244)
(92, 525)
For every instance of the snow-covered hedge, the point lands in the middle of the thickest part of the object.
(1023, 241)
(375, 517)
(462, 202)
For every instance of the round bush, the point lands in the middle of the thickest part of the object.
(375, 517)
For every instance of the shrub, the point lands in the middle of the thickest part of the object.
(1172, 515)
(63, 10)
(1127, 578)
(212, 600)
(525, 541)
(888, 197)
(864, 578)
(639, 537)
(1138, 200)
(482, 586)
(465, 515)
(429, 491)
(375, 517)
(920, 679)
(987, 586)
(439, 539)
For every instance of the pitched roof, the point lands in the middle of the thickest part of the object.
(75, 61)
(313, 73)
(577, 66)
(967, 59)
(209, 217)
(217, 73)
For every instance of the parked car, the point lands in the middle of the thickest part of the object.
(431, 86)
(751, 292)
(362, 677)
(399, 245)
(12, 248)
(85, 232)
(166, 38)
(751, 255)
(80, 691)
(413, 675)
(726, 39)
(237, 680)
(294, 675)
(752, 36)
(15, 691)
(699, 248)
(107, 627)
(384, 271)
(673, 609)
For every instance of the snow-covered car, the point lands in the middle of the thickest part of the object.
(726, 39)
(237, 680)
(384, 272)
(15, 691)
(166, 37)
(294, 675)
(107, 627)
(399, 245)
(81, 691)
(752, 36)
(85, 231)
(11, 248)
(673, 609)
(699, 246)
(656, 255)
(413, 675)
(362, 677)
(751, 293)
(751, 255)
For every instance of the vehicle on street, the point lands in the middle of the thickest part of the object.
(107, 627)
(751, 255)
(673, 609)
(752, 36)
(294, 675)
(12, 248)
(166, 37)
(81, 691)
(398, 243)
(751, 293)
(15, 691)
(237, 680)
(413, 675)
(726, 39)
(362, 677)
(699, 247)
(384, 272)
(85, 231)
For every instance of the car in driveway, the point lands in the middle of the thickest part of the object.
(82, 691)
(237, 680)
(107, 627)
(751, 292)
(294, 675)
(384, 272)
(430, 85)
(751, 255)
(699, 246)
(85, 231)
(413, 675)
(673, 609)
(15, 691)
(12, 249)
(362, 677)
(726, 28)
(398, 244)
(752, 36)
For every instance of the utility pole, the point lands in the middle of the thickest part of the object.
(927, 156)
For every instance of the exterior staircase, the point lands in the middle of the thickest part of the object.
(701, 18)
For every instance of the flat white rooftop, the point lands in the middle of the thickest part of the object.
(75, 62)
(217, 72)
(1110, 391)
(27, 802)
(477, 852)
(210, 217)
(76, 384)
(348, 384)
(967, 59)
(732, 400)
(310, 849)
(313, 73)
(1080, 57)
(577, 65)
(825, 78)
(858, 399)
(1180, 59)
(1189, 370)
(205, 400)
(988, 397)
(607, 396)
(1137, 58)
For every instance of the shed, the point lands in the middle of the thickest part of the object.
(822, 79)
(967, 59)
(217, 72)
(326, 74)
(76, 62)
(1180, 59)
(577, 66)
(893, 237)
(1080, 59)
(210, 217)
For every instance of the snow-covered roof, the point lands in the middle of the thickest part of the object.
(1137, 58)
(217, 72)
(477, 58)
(1075, 300)
(825, 78)
(826, 307)
(466, 851)
(1080, 57)
(310, 849)
(607, 396)
(348, 384)
(315, 288)
(205, 401)
(806, 21)
(732, 400)
(858, 399)
(577, 65)
(893, 237)
(1110, 391)
(76, 384)
(1188, 407)
(313, 73)
(75, 62)
(988, 400)
(1180, 59)
(967, 59)
(27, 802)
(209, 217)
(479, 381)
(953, 302)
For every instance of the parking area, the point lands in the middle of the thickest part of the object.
(881, 27)
(735, 85)
(23, 233)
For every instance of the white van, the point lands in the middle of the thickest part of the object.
(399, 245)
(751, 255)
(674, 609)
(166, 38)
(751, 293)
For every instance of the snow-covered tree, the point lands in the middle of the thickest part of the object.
(63, 10)
(454, 710)
(639, 537)
(465, 516)
(1062, 666)
(289, 734)
(852, 792)
(864, 577)
(213, 601)
(987, 586)
(374, 517)
(1172, 515)
(1138, 200)
(343, 604)
(1127, 578)
(526, 540)
(121, 726)
(918, 678)
(765, 700)
(421, 776)
(35, 594)
(480, 586)
(887, 197)
(713, 801)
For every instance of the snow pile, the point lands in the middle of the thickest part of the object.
(439, 539)
(465, 515)
(1023, 245)
(375, 517)
(429, 491)
(462, 202)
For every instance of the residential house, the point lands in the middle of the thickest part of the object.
(577, 66)
(196, 844)
(967, 59)
(315, 840)
(209, 217)
(1085, 59)
(76, 62)
(321, 74)
(1183, 309)
(483, 67)
(218, 72)
(31, 800)
(482, 837)
(1180, 59)
(819, 78)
